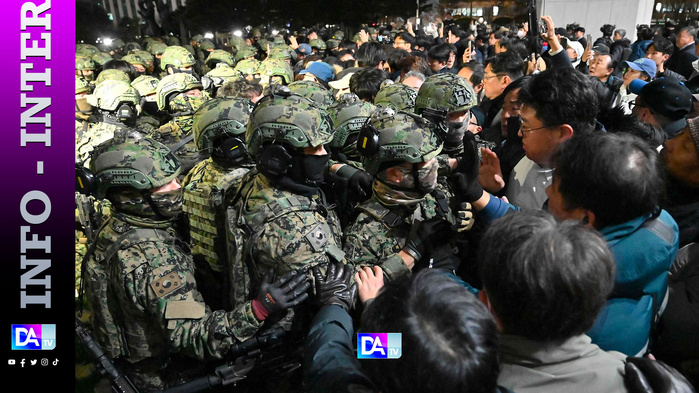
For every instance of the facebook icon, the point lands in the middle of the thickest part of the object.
(379, 345)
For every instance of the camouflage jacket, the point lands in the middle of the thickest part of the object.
(380, 232)
(170, 134)
(282, 231)
(88, 138)
(205, 189)
(147, 309)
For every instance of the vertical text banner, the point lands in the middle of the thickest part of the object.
(37, 199)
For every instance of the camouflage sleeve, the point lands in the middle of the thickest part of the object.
(368, 243)
(298, 240)
(165, 290)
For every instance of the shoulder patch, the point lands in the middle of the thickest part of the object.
(166, 284)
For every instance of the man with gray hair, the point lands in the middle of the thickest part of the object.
(619, 50)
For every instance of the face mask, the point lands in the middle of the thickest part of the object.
(520, 33)
(455, 133)
(407, 191)
(168, 203)
(309, 169)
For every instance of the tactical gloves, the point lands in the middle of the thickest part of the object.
(335, 287)
(286, 292)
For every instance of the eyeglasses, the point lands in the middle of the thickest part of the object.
(493, 76)
(521, 128)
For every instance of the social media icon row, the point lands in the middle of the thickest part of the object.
(32, 362)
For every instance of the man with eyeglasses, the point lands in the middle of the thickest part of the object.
(500, 71)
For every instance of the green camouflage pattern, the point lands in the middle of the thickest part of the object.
(332, 43)
(318, 44)
(375, 239)
(174, 84)
(132, 59)
(314, 92)
(402, 137)
(145, 56)
(205, 187)
(81, 85)
(84, 63)
(112, 74)
(206, 45)
(349, 115)
(95, 135)
(245, 52)
(247, 66)
(150, 279)
(224, 71)
(100, 58)
(86, 50)
(146, 85)
(222, 56)
(269, 68)
(280, 52)
(446, 92)
(178, 57)
(147, 125)
(220, 117)
(109, 94)
(156, 48)
(292, 120)
(141, 164)
(398, 96)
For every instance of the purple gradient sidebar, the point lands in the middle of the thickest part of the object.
(37, 198)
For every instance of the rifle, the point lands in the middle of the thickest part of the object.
(244, 357)
(120, 383)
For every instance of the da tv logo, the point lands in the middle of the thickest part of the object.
(33, 337)
(379, 345)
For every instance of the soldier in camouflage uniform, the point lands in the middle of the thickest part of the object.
(248, 68)
(398, 96)
(85, 67)
(150, 118)
(215, 57)
(219, 76)
(313, 91)
(137, 62)
(446, 100)
(115, 108)
(219, 131)
(112, 74)
(275, 72)
(148, 313)
(180, 95)
(83, 109)
(175, 60)
(399, 226)
(279, 218)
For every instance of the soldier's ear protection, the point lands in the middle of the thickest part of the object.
(274, 161)
(231, 150)
(85, 180)
(125, 112)
(368, 140)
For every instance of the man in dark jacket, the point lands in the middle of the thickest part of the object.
(681, 60)
(620, 50)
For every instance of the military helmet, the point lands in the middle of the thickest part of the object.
(207, 44)
(318, 43)
(144, 55)
(288, 119)
(398, 96)
(86, 50)
(445, 93)
(112, 74)
(176, 56)
(110, 93)
(81, 85)
(174, 84)
(145, 84)
(245, 52)
(141, 164)
(332, 43)
(156, 48)
(173, 41)
(101, 57)
(313, 91)
(225, 116)
(224, 71)
(348, 115)
(134, 59)
(275, 67)
(280, 52)
(220, 56)
(197, 38)
(390, 136)
(84, 63)
(132, 46)
(248, 66)
(118, 43)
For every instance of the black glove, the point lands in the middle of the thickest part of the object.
(465, 179)
(424, 234)
(335, 287)
(359, 183)
(644, 375)
(286, 292)
(441, 257)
